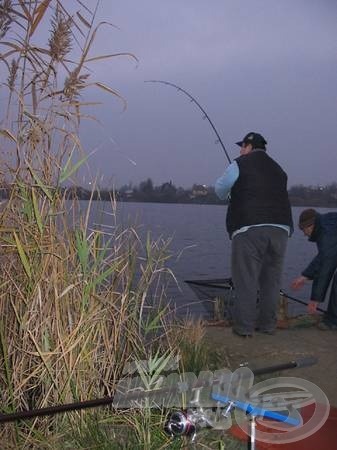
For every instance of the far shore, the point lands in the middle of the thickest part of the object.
(146, 192)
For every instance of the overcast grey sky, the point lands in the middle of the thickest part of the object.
(255, 65)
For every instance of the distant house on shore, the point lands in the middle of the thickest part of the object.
(128, 193)
(199, 190)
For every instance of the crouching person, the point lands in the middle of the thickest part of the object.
(321, 229)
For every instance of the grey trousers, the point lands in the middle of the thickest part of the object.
(257, 262)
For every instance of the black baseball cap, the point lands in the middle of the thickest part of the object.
(256, 139)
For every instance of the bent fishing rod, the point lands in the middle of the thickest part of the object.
(193, 100)
(135, 396)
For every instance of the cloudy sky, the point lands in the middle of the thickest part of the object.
(254, 65)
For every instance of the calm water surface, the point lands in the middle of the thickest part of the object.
(201, 246)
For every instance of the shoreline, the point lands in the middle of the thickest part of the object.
(286, 345)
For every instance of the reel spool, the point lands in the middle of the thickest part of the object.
(180, 423)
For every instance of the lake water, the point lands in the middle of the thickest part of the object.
(201, 246)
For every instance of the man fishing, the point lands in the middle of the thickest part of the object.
(259, 222)
(322, 229)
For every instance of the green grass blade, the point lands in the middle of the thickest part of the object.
(37, 212)
(23, 256)
(83, 250)
(39, 183)
(3, 346)
(68, 170)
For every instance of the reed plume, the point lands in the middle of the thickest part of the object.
(74, 84)
(60, 41)
(12, 76)
(6, 17)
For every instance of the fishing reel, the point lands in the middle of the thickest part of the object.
(181, 423)
(188, 423)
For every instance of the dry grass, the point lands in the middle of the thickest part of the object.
(73, 313)
(76, 302)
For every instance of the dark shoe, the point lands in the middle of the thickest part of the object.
(326, 326)
(243, 335)
(270, 332)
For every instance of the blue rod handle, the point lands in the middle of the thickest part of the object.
(256, 411)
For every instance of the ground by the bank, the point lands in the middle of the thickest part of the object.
(286, 345)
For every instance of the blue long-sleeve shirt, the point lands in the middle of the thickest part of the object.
(224, 184)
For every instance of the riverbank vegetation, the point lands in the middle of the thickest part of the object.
(78, 304)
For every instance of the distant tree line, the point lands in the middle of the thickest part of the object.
(146, 191)
(167, 193)
(325, 196)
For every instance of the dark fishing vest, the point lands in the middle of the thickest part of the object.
(260, 194)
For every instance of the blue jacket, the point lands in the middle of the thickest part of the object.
(323, 266)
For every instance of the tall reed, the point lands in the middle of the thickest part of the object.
(77, 302)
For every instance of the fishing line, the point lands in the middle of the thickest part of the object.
(193, 100)
(120, 151)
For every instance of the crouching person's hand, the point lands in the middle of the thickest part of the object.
(298, 282)
(312, 307)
